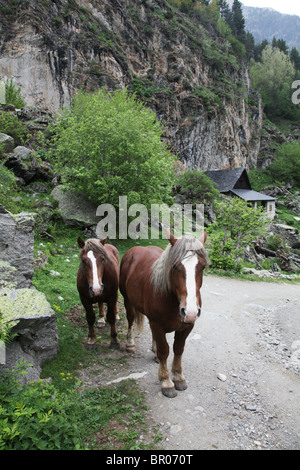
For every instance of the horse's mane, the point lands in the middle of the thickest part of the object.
(173, 255)
(92, 244)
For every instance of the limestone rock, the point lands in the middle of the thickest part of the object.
(76, 210)
(8, 142)
(34, 322)
(26, 167)
(16, 245)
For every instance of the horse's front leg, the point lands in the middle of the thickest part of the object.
(178, 348)
(111, 318)
(162, 351)
(90, 318)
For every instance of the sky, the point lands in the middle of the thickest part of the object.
(290, 7)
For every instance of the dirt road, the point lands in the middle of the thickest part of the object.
(242, 365)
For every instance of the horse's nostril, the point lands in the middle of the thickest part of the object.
(182, 312)
(199, 312)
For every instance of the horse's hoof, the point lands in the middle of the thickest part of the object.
(90, 346)
(114, 345)
(101, 323)
(169, 392)
(130, 348)
(180, 385)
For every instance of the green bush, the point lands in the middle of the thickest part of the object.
(224, 254)
(13, 94)
(108, 145)
(10, 124)
(41, 416)
(36, 416)
(8, 189)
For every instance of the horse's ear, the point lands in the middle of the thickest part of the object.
(103, 241)
(203, 238)
(172, 239)
(80, 242)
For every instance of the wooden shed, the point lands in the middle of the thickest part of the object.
(235, 182)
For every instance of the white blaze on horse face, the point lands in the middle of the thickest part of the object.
(190, 262)
(96, 284)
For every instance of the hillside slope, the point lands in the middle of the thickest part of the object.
(185, 72)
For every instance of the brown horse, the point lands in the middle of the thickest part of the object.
(98, 282)
(164, 286)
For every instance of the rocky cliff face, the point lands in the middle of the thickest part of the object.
(183, 71)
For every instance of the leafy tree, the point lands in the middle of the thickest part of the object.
(195, 187)
(286, 166)
(108, 145)
(236, 223)
(273, 77)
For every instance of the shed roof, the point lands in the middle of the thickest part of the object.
(250, 195)
(227, 179)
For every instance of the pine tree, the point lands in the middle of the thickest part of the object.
(295, 58)
(225, 12)
(238, 21)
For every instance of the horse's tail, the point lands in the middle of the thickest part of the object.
(139, 321)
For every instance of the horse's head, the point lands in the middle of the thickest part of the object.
(93, 257)
(186, 275)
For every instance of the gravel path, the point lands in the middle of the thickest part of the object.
(242, 365)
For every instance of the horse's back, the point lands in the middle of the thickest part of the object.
(139, 256)
(136, 265)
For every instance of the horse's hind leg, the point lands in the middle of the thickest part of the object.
(130, 314)
(111, 318)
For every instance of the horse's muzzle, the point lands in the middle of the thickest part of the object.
(188, 318)
(96, 292)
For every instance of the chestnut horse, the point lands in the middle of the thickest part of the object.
(98, 282)
(165, 287)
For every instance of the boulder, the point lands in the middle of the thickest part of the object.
(8, 142)
(16, 245)
(76, 210)
(290, 234)
(26, 167)
(33, 324)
